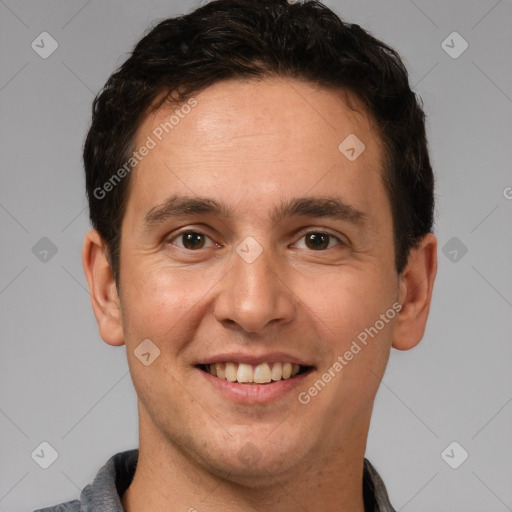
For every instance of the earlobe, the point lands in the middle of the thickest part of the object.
(102, 289)
(416, 286)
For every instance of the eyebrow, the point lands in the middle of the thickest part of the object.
(309, 206)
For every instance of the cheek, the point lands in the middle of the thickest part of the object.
(157, 303)
(364, 349)
(351, 300)
(358, 337)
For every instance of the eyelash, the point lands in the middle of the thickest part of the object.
(331, 236)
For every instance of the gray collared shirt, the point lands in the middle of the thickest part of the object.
(114, 478)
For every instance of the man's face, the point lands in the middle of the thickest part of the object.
(197, 286)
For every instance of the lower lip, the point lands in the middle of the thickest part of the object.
(255, 393)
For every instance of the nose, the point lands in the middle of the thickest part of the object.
(254, 295)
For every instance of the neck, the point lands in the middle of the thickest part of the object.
(169, 479)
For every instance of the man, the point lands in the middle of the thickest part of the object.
(262, 201)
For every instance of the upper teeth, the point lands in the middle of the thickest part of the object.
(260, 374)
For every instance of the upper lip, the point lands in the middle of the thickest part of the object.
(239, 357)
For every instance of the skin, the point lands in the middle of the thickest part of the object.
(253, 145)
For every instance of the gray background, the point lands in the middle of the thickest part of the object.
(60, 383)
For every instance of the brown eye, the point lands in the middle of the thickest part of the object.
(193, 240)
(190, 240)
(318, 241)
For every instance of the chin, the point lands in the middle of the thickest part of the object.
(254, 474)
(255, 462)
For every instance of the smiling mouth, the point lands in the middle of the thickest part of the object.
(264, 373)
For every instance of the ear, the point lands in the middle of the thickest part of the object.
(416, 285)
(102, 288)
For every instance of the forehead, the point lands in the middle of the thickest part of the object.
(261, 139)
(274, 107)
